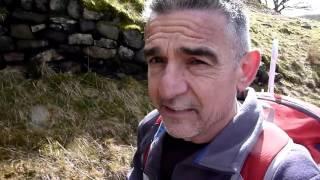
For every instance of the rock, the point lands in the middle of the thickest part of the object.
(55, 36)
(100, 53)
(139, 57)
(130, 68)
(58, 5)
(63, 24)
(40, 118)
(42, 5)
(3, 30)
(87, 26)
(13, 57)
(91, 15)
(285, 31)
(125, 53)
(6, 43)
(26, 4)
(306, 26)
(67, 49)
(10, 3)
(74, 9)
(31, 44)
(106, 43)
(3, 63)
(70, 67)
(29, 16)
(311, 84)
(108, 30)
(37, 28)
(47, 56)
(262, 76)
(267, 25)
(21, 31)
(133, 38)
(80, 39)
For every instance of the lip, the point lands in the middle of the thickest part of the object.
(175, 112)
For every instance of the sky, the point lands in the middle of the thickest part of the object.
(314, 7)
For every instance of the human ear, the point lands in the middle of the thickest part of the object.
(249, 65)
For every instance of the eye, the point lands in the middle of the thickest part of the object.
(195, 61)
(155, 60)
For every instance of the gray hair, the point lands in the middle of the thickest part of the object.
(233, 10)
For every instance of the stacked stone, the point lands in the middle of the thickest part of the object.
(68, 37)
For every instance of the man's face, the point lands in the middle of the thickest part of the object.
(192, 74)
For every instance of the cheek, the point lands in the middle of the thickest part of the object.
(153, 91)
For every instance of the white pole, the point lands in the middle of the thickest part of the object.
(272, 71)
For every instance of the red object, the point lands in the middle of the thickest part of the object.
(301, 122)
(269, 144)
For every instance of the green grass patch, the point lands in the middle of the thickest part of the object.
(87, 123)
(128, 10)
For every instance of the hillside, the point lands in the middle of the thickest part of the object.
(299, 54)
(66, 126)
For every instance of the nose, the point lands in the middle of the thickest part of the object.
(173, 82)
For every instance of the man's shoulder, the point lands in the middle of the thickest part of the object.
(148, 121)
(295, 162)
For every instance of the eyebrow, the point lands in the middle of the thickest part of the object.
(200, 51)
(151, 51)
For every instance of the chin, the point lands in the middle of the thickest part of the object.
(182, 133)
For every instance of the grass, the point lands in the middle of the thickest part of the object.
(3, 14)
(88, 131)
(128, 10)
(65, 126)
(298, 53)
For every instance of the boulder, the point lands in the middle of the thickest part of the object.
(91, 15)
(21, 31)
(26, 4)
(139, 57)
(125, 53)
(132, 69)
(13, 57)
(306, 25)
(108, 30)
(10, 3)
(68, 49)
(80, 39)
(31, 44)
(42, 5)
(47, 56)
(40, 118)
(58, 5)
(106, 43)
(6, 43)
(3, 30)
(29, 16)
(133, 38)
(70, 67)
(262, 76)
(74, 9)
(55, 36)
(3, 63)
(37, 28)
(63, 24)
(100, 53)
(87, 26)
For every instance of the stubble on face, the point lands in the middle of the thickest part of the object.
(194, 115)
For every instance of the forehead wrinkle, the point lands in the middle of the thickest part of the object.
(168, 32)
(176, 25)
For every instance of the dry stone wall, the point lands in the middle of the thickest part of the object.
(67, 37)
